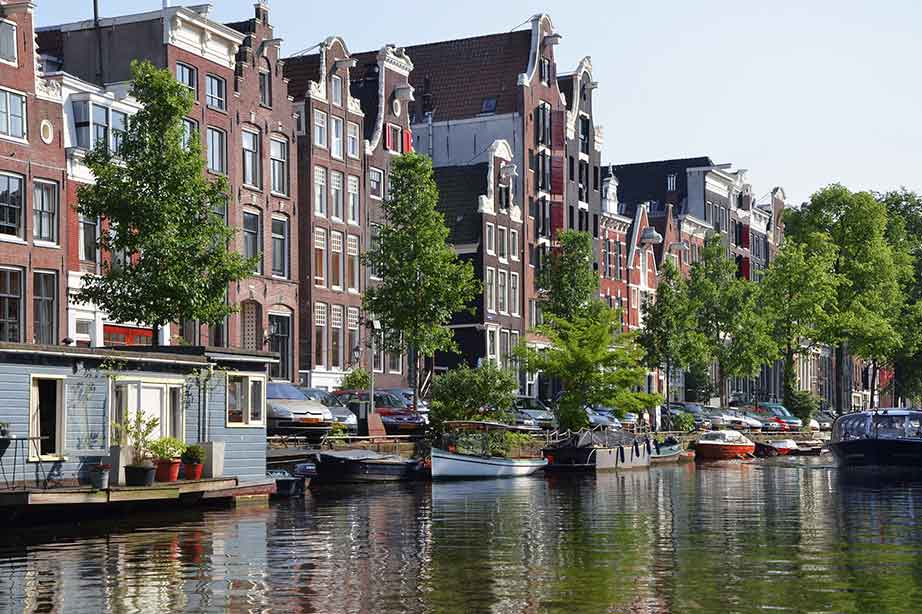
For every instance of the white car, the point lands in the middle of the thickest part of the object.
(814, 424)
(739, 420)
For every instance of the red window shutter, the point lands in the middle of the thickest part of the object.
(556, 219)
(557, 175)
(388, 142)
(558, 128)
(407, 140)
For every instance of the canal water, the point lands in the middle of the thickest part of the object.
(760, 536)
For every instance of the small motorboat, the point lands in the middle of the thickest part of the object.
(286, 484)
(359, 466)
(779, 447)
(667, 451)
(879, 439)
(723, 445)
(464, 457)
(598, 450)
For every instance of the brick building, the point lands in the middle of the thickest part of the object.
(245, 122)
(34, 236)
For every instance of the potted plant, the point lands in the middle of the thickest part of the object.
(167, 452)
(99, 476)
(4, 429)
(136, 432)
(192, 462)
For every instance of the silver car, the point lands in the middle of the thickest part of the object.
(290, 411)
(340, 412)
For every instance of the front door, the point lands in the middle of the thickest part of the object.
(152, 403)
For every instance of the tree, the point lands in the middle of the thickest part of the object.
(356, 379)
(728, 329)
(170, 260)
(668, 324)
(803, 404)
(569, 283)
(423, 282)
(869, 297)
(462, 393)
(798, 300)
(597, 363)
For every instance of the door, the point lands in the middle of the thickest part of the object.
(152, 404)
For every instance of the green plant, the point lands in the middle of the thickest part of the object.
(193, 454)
(338, 429)
(803, 404)
(484, 393)
(683, 422)
(136, 432)
(357, 379)
(167, 448)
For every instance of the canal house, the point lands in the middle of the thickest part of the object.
(59, 405)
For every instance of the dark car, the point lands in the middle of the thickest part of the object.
(544, 418)
(341, 413)
(397, 419)
(697, 411)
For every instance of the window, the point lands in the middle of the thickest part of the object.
(251, 175)
(320, 191)
(336, 192)
(490, 239)
(543, 171)
(352, 262)
(8, 42)
(265, 84)
(217, 151)
(320, 257)
(119, 126)
(514, 244)
(336, 90)
(670, 182)
(189, 131)
(502, 298)
(12, 114)
(45, 211)
(584, 135)
(543, 123)
(11, 205)
(44, 303)
(175, 408)
(81, 122)
(545, 70)
(352, 140)
(374, 240)
(353, 199)
(352, 323)
(87, 239)
(504, 196)
(280, 247)
(378, 357)
(502, 246)
(280, 342)
(336, 340)
(490, 290)
(394, 140)
(245, 400)
(217, 334)
(336, 260)
(488, 105)
(504, 348)
(491, 345)
(215, 92)
(46, 418)
(320, 335)
(336, 137)
(320, 128)
(375, 183)
(394, 362)
(278, 152)
(251, 242)
(188, 76)
(514, 294)
(10, 305)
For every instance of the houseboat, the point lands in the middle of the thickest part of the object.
(884, 438)
(597, 450)
(468, 451)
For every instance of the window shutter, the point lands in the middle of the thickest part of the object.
(388, 141)
(407, 140)
(557, 127)
(556, 175)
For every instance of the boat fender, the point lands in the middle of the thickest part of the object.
(636, 451)
(655, 443)
(649, 449)
(621, 453)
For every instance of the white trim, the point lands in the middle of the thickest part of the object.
(395, 59)
(61, 415)
(534, 55)
(248, 377)
(15, 62)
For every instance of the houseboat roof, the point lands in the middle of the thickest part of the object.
(474, 425)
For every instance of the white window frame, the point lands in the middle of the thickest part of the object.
(353, 186)
(352, 252)
(321, 198)
(380, 173)
(502, 243)
(321, 320)
(320, 242)
(248, 422)
(337, 316)
(194, 71)
(15, 60)
(336, 90)
(341, 269)
(492, 345)
(491, 239)
(502, 292)
(222, 100)
(287, 251)
(320, 129)
(284, 163)
(513, 244)
(259, 237)
(514, 294)
(5, 131)
(223, 169)
(256, 153)
(34, 420)
(334, 178)
(352, 138)
(336, 137)
(56, 218)
(489, 288)
(20, 235)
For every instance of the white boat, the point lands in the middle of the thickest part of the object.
(450, 464)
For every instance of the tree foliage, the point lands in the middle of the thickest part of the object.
(803, 404)
(569, 283)
(356, 379)
(462, 393)
(171, 260)
(423, 283)
(596, 362)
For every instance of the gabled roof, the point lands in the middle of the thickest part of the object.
(462, 73)
(460, 188)
(646, 181)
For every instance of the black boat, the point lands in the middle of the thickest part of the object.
(595, 450)
(882, 439)
(358, 466)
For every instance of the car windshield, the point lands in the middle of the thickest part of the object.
(318, 394)
(284, 391)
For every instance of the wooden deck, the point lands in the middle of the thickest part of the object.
(210, 488)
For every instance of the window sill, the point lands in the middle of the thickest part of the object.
(265, 106)
(12, 239)
(218, 109)
(279, 194)
(252, 425)
(252, 187)
(15, 139)
(45, 244)
(373, 197)
(216, 173)
(353, 291)
(48, 458)
(355, 157)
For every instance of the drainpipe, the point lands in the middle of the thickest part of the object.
(98, 33)
(431, 141)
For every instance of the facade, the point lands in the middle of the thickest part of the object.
(245, 122)
(34, 235)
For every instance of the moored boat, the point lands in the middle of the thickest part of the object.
(598, 450)
(667, 451)
(470, 459)
(779, 447)
(358, 466)
(879, 439)
(723, 445)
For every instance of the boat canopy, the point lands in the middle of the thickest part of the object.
(878, 424)
(595, 439)
(473, 425)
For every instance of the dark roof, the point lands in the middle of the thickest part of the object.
(299, 70)
(646, 181)
(462, 73)
(459, 190)
(50, 42)
(247, 26)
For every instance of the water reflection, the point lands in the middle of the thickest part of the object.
(735, 538)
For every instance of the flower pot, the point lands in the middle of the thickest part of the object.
(167, 470)
(192, 471)
(139, 475)
(99, 479)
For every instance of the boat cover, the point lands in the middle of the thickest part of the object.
(594, 439)
(360, 455)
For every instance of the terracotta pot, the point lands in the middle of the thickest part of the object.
(192, 472)
(139, 475)
(167, 470)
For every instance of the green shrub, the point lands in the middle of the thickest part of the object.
(683, 421)
(167, 448)
(803, 404)
(484, 393)
(135, 431)
(339, 429)
(357, 379)
(193, 454)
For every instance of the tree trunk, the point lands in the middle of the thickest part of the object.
(873, 383)
(155, 338)
(839, 380)
(722, 385)
(789, 376)
(666, 404)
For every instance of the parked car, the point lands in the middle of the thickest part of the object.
(600, 420)
(768, 424)
(740, 421)
(825, 420)
(777, 410)
(289, 411)
(525, 421)
(397, 419)
(617, 423)
(341, 413)
(538, 411)
(407, 395)
(702, 421)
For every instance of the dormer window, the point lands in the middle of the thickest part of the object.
(545, 71)
(336, 90)
(670, 182)
(488, 105)
(8, 42)
(265, 84)
(504, 196)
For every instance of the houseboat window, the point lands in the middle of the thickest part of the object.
(46, 417)
(245, 400)
(256, 401)
(177, 423)
(8, 42)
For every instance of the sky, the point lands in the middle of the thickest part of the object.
(802, 93)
